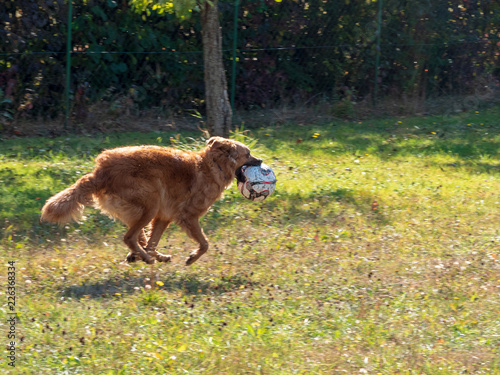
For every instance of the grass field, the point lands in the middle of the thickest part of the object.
(378, 254)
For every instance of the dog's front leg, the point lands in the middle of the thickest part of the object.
(193, 230)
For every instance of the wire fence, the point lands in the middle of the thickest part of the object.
(77, 60)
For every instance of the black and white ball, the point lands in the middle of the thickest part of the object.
(257, 183)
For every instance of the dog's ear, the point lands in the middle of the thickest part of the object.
(220, 143)
(215, 141)
(225, 146)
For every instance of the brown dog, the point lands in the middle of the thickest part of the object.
(154, 185)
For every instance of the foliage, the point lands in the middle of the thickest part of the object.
(378, 253)
(288, 52)
(182, 8)
(157, 64)
(427, 49)
(5, 110)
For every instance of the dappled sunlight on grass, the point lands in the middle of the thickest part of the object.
(379, 252)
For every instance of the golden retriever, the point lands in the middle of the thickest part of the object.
(142, 185)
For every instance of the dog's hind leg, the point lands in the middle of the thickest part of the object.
(132, 238)
(143, 241)
(193, 230)
(157, 230)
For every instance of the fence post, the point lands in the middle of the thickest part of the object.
(235, 45)
(377, 58)
(68, 62)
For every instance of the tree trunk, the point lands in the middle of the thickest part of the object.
(219, 113)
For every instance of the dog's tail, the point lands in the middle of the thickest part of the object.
(69, 204)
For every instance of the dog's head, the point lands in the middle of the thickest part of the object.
(234, 153)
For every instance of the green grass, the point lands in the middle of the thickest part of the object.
(378, 253)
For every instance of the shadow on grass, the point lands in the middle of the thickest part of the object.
(187, 284)
(473, 167)
(326, 204)
(463, 136)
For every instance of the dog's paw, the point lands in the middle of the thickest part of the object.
(160, 257)
(132, 258)
(191, 259)
(164, 258)
(149, 260)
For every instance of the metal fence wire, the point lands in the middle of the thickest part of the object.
(60, 59)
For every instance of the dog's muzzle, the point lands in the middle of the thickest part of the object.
(252, 162)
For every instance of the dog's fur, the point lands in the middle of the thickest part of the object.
(154, 185)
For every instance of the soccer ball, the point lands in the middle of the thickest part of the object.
(258, 182)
